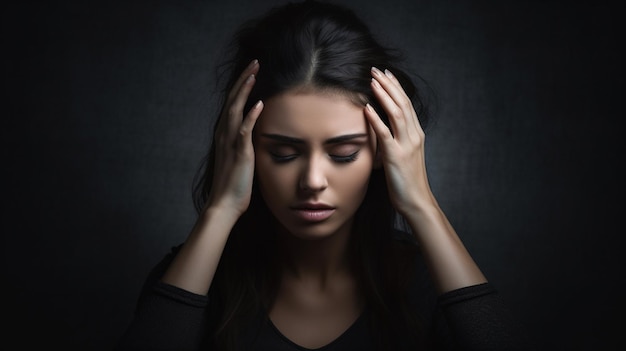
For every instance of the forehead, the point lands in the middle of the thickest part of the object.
(311, 115)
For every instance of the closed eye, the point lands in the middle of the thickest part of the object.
(282, 158)
(282, 153)
(347, 158)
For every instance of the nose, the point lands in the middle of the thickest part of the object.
(313, 177)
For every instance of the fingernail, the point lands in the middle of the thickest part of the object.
(250, 78)
(369, 107)
(375, 83)
(388, 73)
(258, 104)
(376, 71)
(253, 63)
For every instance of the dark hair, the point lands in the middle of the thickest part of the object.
(324, 47)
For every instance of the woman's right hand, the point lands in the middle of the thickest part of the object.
(194, 266)
(234, 153)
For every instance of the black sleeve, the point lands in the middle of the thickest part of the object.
(166, 317)
(476, 318)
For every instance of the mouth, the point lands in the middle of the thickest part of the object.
(313, 212)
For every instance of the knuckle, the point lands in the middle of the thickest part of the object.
(396, 112)
(406, 104)
(419, 140)
(387, 136)
(233, 111)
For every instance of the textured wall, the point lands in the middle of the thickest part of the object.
(109, 107)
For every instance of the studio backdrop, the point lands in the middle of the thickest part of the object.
(108, 113)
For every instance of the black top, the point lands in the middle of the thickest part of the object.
(470, 318)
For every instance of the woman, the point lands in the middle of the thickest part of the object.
(317, 156)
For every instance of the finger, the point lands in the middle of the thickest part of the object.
(409, 109)
(235, 109)
(410, 129)
(394, 112)
(394, 89)
(252, 68)
(245, 131)
(383, 134)
(226, 118)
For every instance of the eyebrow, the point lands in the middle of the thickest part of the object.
(334, 140)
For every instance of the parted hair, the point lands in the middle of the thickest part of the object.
(323, 47)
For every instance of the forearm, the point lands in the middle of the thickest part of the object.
(194, 266)
(449, 262)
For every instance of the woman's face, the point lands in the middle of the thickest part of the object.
(314, 156)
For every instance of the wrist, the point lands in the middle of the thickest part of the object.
(224, 215)
(419, 205)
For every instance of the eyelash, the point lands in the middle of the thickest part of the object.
(346, 159)
(339, 159)
(282, 159)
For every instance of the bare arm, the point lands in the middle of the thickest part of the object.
(449, 261)
(402, 152)
(194, 266)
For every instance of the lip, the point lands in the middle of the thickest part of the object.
(313, 212)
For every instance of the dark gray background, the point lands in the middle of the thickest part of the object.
(107, 115)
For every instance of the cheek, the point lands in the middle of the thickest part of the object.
(272, 179)
(352, 183)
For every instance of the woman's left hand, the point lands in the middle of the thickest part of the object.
(401, 146)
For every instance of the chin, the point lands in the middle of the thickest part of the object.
(314, 231)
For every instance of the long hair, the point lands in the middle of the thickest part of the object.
(324, 47)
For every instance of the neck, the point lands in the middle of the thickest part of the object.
(316, 260)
